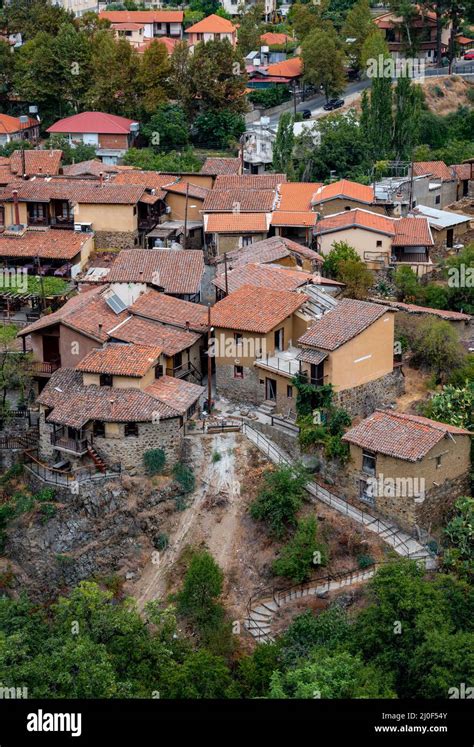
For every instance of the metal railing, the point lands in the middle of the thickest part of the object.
(65, 478)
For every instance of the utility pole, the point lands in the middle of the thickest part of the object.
(209, 362)
(41, 282)
(185, 239)
(411, 187)
(225, 275)
(294, 97)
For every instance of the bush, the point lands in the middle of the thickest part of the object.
(280, 498)
(161, 541)
(184, 475)
(154, 461)
(365, 561)
(269, 97)
(48, 511)
(198, 599)
(216, 456)
(297, 558)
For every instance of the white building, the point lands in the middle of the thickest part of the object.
(78, 7)
(235, 7)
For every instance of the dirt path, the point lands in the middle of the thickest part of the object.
(218, 488)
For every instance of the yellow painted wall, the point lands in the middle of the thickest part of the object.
(362, 241)
(107, 217)
(177, 203)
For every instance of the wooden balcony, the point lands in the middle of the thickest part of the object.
(45, 368)
(62, 441)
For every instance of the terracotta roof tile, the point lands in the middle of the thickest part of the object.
(12, 124)
(249, 181)
(272, 38)
(291, 68)
(239, 201)
(236, 223)
(81, 191)
(36, 162)
(410, 308)
(175, 393)
(147, 332)
(359, 218)
(271, 250)
(50, 244)
(347, 320)
(287, 218)
(265, 276)
(194, 190)
(176, 271)
(214, 166)
(296, 196)
(412, 232)
(462, 170)
(92, 167)
(399, 435)
(212, 24)
(255, 309)
(169, 310)
(151, 180)
(344, 188)
(437, 169)
(120, 359)
(142, 16)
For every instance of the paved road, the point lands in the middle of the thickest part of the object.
(315, 103)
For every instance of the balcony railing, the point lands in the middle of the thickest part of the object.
(61, 441)
(45, 368)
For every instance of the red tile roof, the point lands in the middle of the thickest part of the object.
(412, 232)
(249, 181)
(291, 68)
(175, 393)
(93, 122)
(212, 24)
(194, 190)
(147, 332)
(236, 223)
(130, 26)
(87, 313)
(121, 359)
(169, 310)
(437, 169)
(239, 201)
(168, 41)
(151, 180)
(177, 271)
(287, 218)
(272, 38)
(142, 16)
(462, 170)
(45, 162)
(344, 189)
(271, 250)
(214, 166)
(12, 124)
(265, 276)
(50, 244)
(359, 218)
(347, 320)
(92, 167)
(296, 196)
(398, 435)
(410, 308)
(255, 309)
(81, 191)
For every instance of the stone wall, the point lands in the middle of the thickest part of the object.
(435, 509)
(246, 390)
(116, 239)
(364, 399)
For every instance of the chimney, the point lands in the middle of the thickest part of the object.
(188, 326)
(101, 178)
(16, 208)
(100, 328)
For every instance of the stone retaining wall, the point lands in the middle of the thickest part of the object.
(363, 400)
(116, 239)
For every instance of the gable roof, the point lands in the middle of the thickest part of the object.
(239, 201)
(212, 24)
(265, 276)
(412, 231)
(271, 37)
(193, 190)
(249, 181)
(439, 219)
(120, 359)
(176, 271)
(347, 320)
(398, 435)
(11, 125)
(286, 218)
(271, 250)
(85, 191)
(151, 180)
(49, 244)
(175, 393)
(255, 309)
(290, 68)
(358, 218)
(92, 167)
(86, 313)
(169, 310)
(215, 166)
(93, 122)
(147, 332)
(411, 308)
(437, 169)
(345, 189)
(296, 195)
(462, 170)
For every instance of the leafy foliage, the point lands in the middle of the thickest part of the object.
(280, 498)
(460, 534)
(297, 558)
(154, 461)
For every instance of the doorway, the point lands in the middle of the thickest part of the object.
(270, 389)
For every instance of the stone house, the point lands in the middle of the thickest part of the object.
(344, 195)
(351, 348)
(275, 250)
(443, 182)
(262, 276)
(448, 228)
(254, 330)
(112, 407)
(408, 468)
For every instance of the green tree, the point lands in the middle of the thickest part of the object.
(459, 532)
(167, 128)
(377, 105)
(152, 76)
(70, 155)
(115, 66)
(408, 100)
(437, 348)
(358, 25)
(250, 27)
(202, 587)
(279, 498)
(202, 675)
(324, 61)
(206, 7)
(454, 405)
(407, 285)
(442, 663)
(297, 558)
(218, 129)
(283, 146)
(356, 276)
(343, 150)
(217, 78)
(340, 251)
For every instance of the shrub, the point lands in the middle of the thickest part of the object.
(297, 558)
(280, 498)
(216, 456)
(154, 461)
(365, 561)
(45, 495)
(48, 511)
(161, 541)
(184, 475)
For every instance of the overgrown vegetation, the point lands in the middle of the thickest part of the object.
(279, 499)
(154, 461)
(298, 558)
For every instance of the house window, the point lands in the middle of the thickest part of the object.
(368, 463)
(437, 199)
(2, 216)
(379, 243)
(158, 372)
(413, 204)
(238, 372)
(246, 240)
(131, 429)
(289, 391)
(105, 379)
(438, 462)
(365, 494)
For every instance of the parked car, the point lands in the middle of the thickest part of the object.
(469, 55)
(306, 114)
(333, 104)
(63, 271)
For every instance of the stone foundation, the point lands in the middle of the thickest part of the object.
(243, 391)
(116, 239)
(364, 399)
